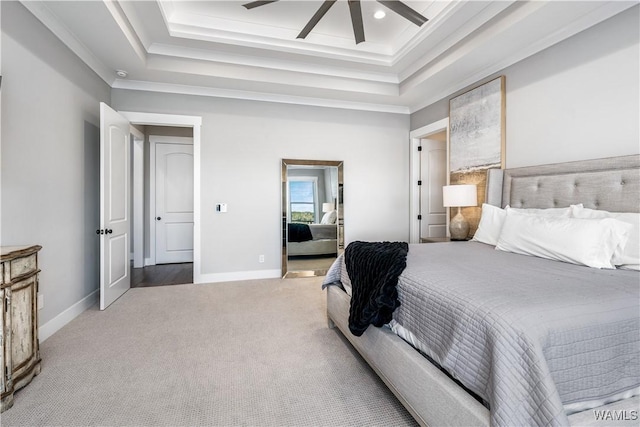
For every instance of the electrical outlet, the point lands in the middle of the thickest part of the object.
(261, 258)
(40, 301)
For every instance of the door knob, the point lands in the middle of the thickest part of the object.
(108, 231)
(158, 218)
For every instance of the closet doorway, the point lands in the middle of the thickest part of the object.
(168, 206)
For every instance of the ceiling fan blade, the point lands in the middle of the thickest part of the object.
(253, 4)
(356, 20)
(324, 8)
(404, 11)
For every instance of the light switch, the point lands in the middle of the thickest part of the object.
(221, 207)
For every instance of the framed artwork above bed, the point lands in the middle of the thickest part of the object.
(476, 139)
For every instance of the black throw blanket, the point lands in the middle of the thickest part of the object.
(298, 232)
(374, 269)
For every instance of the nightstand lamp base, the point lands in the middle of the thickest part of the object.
(459, 227)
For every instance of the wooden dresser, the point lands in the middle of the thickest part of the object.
(20, 358)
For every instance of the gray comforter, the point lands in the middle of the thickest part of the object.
(526, 334)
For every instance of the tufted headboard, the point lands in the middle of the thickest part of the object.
(611, 184)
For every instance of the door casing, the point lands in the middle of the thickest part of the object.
(194, 122)
(414, 173)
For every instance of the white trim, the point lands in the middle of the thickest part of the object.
(52, 22)
(257, 96)
(152, 204)
(182, 121)
(156, 119)
(137, 181)
(135, 132)
(147, 262)
(153, 140)
(239, 275)
(161, 139)
(414, 172)
(58, 322)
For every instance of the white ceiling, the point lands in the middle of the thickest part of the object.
(218, 48)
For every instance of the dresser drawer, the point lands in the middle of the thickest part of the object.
(22, 266)
(18, 262)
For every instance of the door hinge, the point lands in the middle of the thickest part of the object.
(420, 182)
(419, 147)
(419, 217)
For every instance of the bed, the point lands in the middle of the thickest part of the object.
(312, 239)
(477, 297)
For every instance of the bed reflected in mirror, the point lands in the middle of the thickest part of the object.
(312, 216)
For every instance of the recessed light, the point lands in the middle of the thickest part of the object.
(121, 73)
(379, 14)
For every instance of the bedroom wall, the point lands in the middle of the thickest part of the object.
(243, 143)
(576, 100)
(50, 160)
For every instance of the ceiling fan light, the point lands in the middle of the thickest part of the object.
(379, 14)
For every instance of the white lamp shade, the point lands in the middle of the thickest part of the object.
(459, 195)
(327, 207)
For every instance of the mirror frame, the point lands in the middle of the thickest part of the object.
(340, 211)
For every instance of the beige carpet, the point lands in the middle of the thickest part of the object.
(241, 353)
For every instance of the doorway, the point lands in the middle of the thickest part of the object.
(168, 200)
(429, 169)
(179, 139)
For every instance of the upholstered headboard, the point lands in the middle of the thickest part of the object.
(611, 184)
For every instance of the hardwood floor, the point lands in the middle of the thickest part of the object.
(162, 275)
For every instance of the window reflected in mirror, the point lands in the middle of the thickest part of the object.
(312, 220)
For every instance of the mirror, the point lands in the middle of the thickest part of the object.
(312, 216)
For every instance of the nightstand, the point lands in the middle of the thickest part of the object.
(439, 239)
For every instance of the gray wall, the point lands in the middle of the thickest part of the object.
(576, 100)
(50, 157)
(243, 143)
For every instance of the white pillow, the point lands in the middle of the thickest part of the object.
(329, 217)
(490, 225)
(563, 212)
(629, 254)
(578, 241)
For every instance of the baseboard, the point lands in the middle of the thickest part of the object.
(147, 261)
(238, 275)
(55, 324)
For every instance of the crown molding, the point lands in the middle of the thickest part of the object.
(256, 96)
(271, 63)
(40, 10)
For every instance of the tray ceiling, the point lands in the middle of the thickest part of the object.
(219, 48)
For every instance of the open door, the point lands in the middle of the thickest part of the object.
(115, 278)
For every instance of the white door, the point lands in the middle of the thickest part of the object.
(174, 203)
(433, 174)
(115, 160)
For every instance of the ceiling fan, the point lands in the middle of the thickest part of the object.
(356, 15)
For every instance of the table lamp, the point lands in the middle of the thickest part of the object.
(327, 207)
(459, 196)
